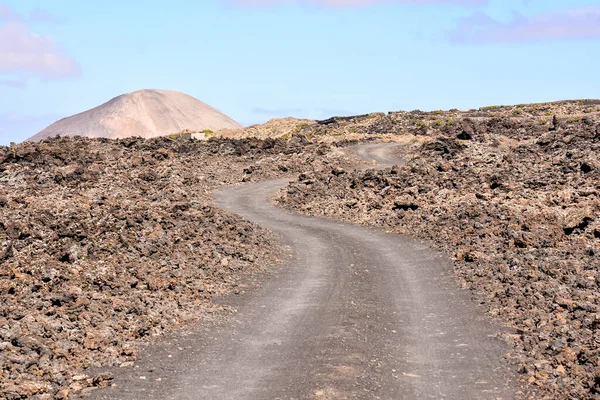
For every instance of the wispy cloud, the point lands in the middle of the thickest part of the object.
(40, 15)
(25, 54)
(573, 23)
(22, 51)
(14, 83)
(8, 14)
(351, 3)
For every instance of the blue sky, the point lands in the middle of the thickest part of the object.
(257, 59)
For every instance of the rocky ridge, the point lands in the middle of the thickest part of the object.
(402, 123)
(274, 128)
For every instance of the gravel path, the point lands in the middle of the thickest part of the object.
(354, 313)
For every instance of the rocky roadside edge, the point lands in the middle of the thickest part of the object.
(518, 210)
(105, 244)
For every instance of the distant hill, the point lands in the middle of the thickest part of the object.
(145, 113)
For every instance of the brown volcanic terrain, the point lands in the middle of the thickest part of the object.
(274, 128)
(513, 194)
(145, 113)
(105, 243)
(400, 125)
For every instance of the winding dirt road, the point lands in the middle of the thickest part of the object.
(354, 314)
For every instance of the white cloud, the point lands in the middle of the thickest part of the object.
(572, 23)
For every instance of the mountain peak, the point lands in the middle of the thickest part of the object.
(146, 113)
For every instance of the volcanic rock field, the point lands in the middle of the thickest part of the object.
(106, 244)
(514, 198)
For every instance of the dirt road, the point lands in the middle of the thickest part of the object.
(353, 314)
